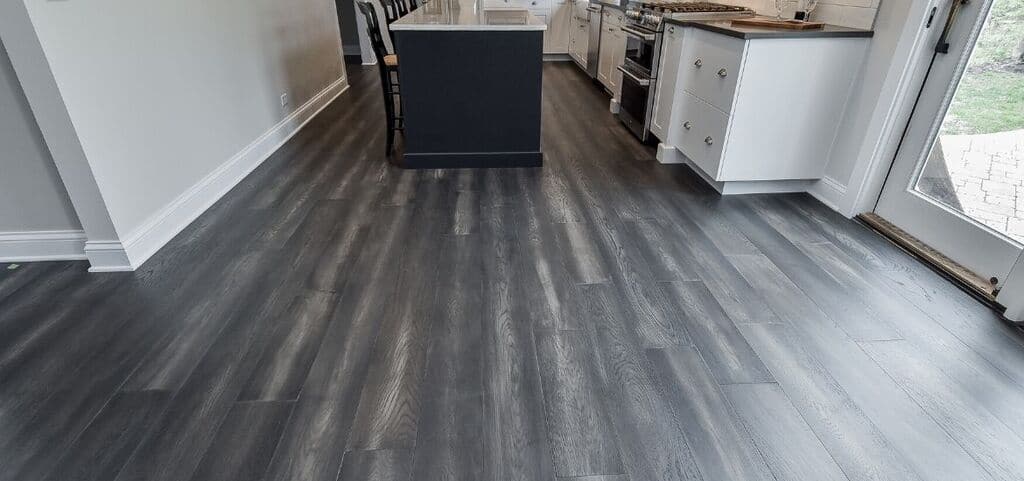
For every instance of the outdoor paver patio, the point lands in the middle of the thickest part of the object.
(987, 173)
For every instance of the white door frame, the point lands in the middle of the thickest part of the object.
(966, 241)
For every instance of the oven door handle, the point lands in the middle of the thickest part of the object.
(638, 33)
(633, 77)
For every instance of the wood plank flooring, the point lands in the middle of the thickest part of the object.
(604, 318)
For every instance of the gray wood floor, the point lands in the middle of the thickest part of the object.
(604, 318)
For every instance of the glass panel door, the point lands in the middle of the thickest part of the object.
(957, 183)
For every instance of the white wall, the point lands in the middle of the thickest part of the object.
(37, 220)
(878, 109)
(174, 101)
(848, 13)
(32, 197)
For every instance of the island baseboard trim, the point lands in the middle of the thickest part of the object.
(472, 160)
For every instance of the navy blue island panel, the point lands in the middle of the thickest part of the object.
(471, 91)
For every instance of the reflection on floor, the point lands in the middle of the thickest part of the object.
(603, 318)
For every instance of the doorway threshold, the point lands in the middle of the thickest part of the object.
(974, 284)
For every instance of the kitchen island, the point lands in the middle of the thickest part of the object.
(470, 85)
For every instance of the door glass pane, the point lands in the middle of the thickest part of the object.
(977, 165)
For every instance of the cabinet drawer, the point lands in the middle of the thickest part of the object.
(529, 4)
(711, 66)
(701, 133)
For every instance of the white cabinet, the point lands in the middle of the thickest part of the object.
(579, 39)
(668, 71)
(555, 13)
(579, 33)
(712, 67)
(612, 51)
(556, 38)
(751, 113)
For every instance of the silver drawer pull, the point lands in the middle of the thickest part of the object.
(708, 140)
(698, 63)
(687, 125)
(723, 73)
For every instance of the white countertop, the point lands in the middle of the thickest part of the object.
(467, 15)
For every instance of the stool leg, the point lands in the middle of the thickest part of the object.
(389, 111)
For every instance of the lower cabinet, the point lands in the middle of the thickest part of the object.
(612, 51)
(753, 110)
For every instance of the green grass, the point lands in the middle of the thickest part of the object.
(991, 95)
(1004, 30)
(987, 102)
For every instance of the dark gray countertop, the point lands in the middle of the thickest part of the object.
(725, 27)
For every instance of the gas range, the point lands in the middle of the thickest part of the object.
(650, 14)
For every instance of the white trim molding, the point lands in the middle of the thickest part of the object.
(108, 256)
(830, 192)
(139, 245)
(53, 245)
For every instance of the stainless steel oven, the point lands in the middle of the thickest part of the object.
(639, 75)
(643, 47)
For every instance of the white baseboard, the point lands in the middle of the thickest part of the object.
(160, 228)
(830, 192)
(557, 57)
(108, 256)
(56, 245)
(613, 105)
(668, 154)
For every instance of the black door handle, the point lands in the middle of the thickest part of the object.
(954, 12)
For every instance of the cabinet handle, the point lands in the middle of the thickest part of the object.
(687, 125)
(699, 63)
(723, 73)
(708, 140)
(671, 30)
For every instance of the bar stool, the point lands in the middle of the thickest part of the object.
(388, 66)
(393, 10)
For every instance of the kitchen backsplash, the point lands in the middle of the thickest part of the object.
(848, 13)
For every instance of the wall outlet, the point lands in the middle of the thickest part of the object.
(284, 100)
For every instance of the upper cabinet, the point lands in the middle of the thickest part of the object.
(745, 110)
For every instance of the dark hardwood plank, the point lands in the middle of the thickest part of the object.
(170, 365)
(450, 431)
(715, 335)
(104, 447)
(178, 441)
(651, 447)
(989, 440)
(912, 431)
(515, 443)
(245, 442)
(855, 316)
(850, 437)
(296, 340)
(792, 450)
(579, 428)
(721, 447)
(376, 465)
(582, 255)
(313, 443)
(389, 407)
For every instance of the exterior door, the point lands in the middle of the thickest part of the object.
(957, 183)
